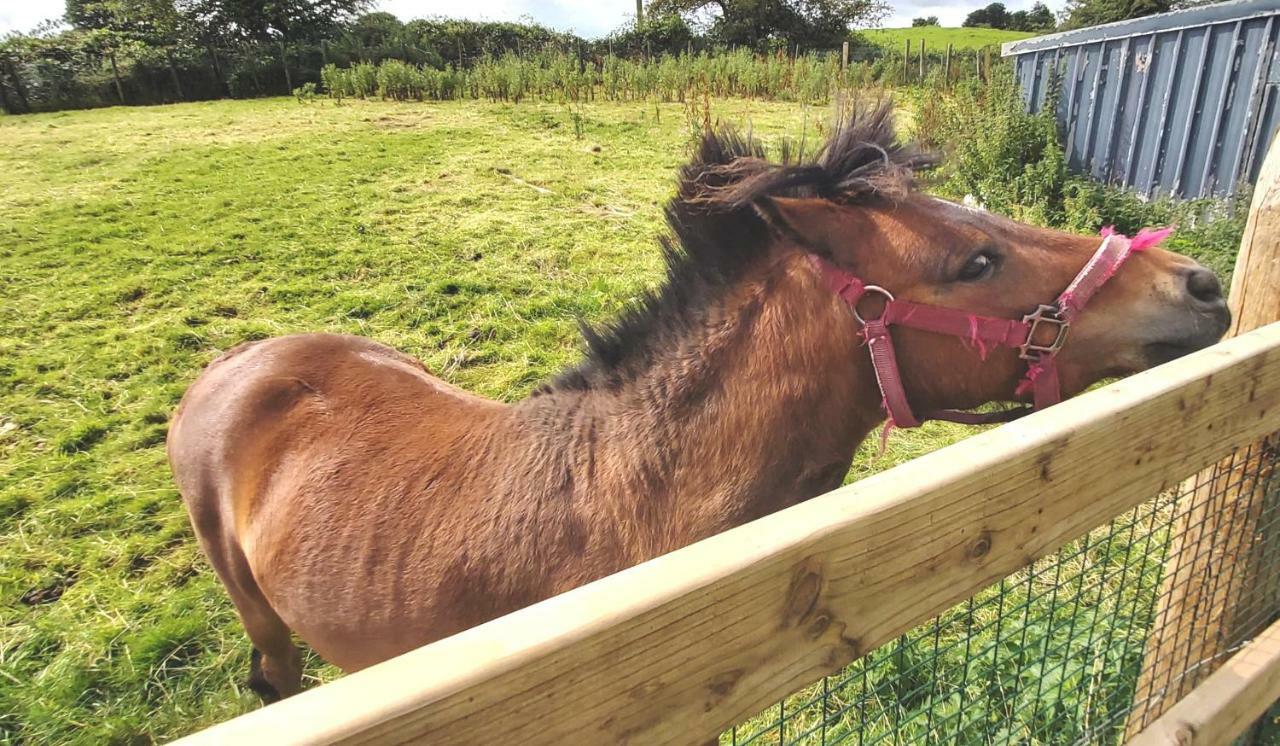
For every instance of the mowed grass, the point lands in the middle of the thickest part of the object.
(936, 38)
(136, 244)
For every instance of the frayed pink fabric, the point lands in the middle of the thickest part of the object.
(1148, 237)
(1028, 381)
(975, 341)
(889, 426)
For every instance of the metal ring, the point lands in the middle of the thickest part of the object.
(888, 298)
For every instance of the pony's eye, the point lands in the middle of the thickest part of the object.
(978, 266)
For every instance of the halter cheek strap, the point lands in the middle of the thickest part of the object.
(1039, 336)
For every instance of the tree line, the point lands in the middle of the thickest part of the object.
(105, 52)
(1076, 14)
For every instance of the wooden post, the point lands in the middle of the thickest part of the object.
(217, 69)
(947, 68)
(284, 60)
(18, 87)
(253, 70)
(906, 62)
(5, 103)
(1214, 575)
(639, 13)
(844, 56)
(173, 72)
(115, 73)
(922, 61)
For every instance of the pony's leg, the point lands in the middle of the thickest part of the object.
(276, 668)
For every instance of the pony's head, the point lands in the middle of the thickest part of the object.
(853, 207)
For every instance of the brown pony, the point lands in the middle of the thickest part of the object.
(343, 493)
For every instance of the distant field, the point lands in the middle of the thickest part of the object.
(937, 37)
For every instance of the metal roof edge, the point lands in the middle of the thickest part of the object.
(1235, 10)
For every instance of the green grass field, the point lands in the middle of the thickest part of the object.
(136, 244)
(936, 38)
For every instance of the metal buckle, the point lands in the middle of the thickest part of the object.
(876, 290)
(1029, 350)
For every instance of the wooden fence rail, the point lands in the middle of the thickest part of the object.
(1227, 703)
(675, 650)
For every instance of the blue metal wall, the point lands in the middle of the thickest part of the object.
(1182, 104)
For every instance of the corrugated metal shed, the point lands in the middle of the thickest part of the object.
(1181, 103)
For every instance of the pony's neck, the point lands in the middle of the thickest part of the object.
(759, 408)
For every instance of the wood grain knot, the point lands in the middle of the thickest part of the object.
(820, 624)
(1185, 735)
(802, 597)
(645, 690)
(723, 683)
(981, 547)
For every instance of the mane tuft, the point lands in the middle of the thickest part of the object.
(716, 233)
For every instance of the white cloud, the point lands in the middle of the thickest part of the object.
(589, 18)
(25, 15)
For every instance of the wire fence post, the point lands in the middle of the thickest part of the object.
(173, 73)
(15, 78)
(1212, 593)
(947, 67)
(921, 61)
(115, 75)
(906, 62)
(844, 56)
(284, 61)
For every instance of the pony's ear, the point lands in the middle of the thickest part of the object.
(814, 225)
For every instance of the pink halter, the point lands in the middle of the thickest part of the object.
(1038, 337)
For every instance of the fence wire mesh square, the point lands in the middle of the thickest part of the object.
(1086, 646)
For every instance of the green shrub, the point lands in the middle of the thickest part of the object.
(1208, 230)
(336, 81)
(305, 92)
(1010, 161)
(563, 77)
(364, 80)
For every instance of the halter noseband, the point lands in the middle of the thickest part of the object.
(1038, 337)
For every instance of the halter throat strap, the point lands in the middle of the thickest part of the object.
(1038, 336)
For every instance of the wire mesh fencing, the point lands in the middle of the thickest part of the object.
(1086, 646)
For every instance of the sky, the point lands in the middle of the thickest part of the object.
(588, 18)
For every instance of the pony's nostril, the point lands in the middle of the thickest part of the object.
(1204, 286)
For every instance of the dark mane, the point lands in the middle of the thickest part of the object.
(716, 233)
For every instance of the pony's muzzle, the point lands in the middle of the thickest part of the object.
(1198, 321)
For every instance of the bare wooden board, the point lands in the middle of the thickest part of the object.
(676, 649)
(1219, 710)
